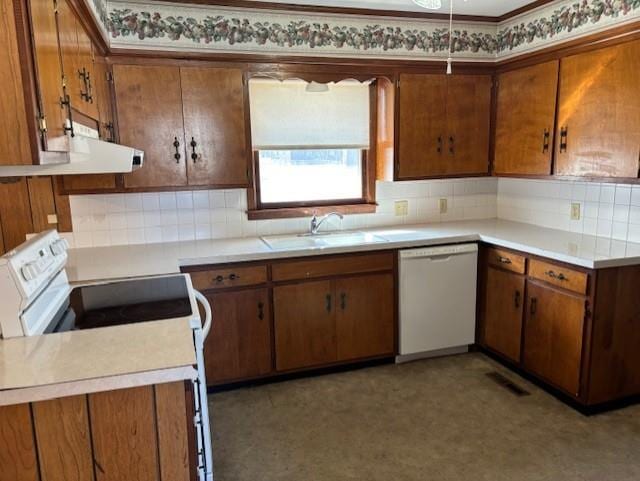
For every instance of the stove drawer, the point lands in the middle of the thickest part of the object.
(225, 278)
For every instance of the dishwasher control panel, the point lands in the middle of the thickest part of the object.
(439, 251)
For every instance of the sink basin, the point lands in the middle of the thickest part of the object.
(320, 241)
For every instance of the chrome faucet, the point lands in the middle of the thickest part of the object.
(315, 223)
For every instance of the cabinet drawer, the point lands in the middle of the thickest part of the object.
(229, 277)
(335, 266)
(506, 260)
(569, 279)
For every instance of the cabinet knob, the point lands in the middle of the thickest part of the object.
(343, 301)
(517, 299)
(177, 155)
(534, 306)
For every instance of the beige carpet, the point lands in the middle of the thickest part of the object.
(435, 420)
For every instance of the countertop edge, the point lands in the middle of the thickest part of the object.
(89, 386)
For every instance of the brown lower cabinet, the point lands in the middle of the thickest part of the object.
(574, 329)
(297, 314)
(93, 437)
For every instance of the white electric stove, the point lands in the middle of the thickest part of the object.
(37, 299)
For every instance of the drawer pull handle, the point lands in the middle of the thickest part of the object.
(504, 260)
(553, 275)
(232, 277)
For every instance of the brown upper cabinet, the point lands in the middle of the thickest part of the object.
(526, 109)
(77, 62)
(443, 125)
(598, 128)
(190, 122)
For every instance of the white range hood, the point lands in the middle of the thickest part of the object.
(88, 155)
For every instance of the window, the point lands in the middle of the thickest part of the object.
(310, 176)
(310, 143)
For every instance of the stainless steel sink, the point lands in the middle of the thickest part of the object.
(320, 241)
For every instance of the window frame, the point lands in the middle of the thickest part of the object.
(364, 205)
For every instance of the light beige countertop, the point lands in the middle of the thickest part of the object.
(75, 362)
(99, 263)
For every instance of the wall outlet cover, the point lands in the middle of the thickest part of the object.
(575, 211)
(402, 208)
(443, 206)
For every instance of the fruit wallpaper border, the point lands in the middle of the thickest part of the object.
(163, 25)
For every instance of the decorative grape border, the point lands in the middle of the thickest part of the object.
(124, 21)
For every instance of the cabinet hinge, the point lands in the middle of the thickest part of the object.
(587, 310)
(109, 77)
(55, 6)
(64, 81)
(42, 124)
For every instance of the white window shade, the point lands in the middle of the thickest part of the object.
(286, 116)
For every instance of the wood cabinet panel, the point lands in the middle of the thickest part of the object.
(15, 212)
(365, 316)
(173, 432)
(239, 345)
(553, 336)
(238, 276)
(214, 121)
(503, 312)
(332, 266)
(466, 148)
(305, 325)
(42, 202)
(525, 120)
(68, 37)
(149, 107)
(124, 440)
(49, 72)
(86, 65)
(17, 446)
(564, 277)
(506, 260)
(63, 439)
(599, 113)
(14, 131)
(422, 126)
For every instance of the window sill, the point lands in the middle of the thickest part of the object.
(293, 212)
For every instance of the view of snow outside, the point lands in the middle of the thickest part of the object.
(310, 175)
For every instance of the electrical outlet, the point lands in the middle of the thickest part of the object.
(443, 206)
(575, 211)
(402, 208)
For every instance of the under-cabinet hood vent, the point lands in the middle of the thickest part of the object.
(88, 155)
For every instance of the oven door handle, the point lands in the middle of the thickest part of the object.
(208, 319)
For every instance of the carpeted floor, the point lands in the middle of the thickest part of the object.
(436, 420)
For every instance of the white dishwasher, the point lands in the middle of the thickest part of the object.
(437, 300)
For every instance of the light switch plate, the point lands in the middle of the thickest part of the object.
(575, 211)
(402, 208)
(443, 206)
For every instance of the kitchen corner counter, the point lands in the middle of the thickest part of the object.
(105, 263)
(80, 362)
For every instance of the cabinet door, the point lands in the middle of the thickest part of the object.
(14, 131)
(86, 65)
(599, 113)
(365, 316)
(466, 143)
(305, 325)
(103, 98)
(525, 120)
(149, 106)
(49, 74)
(68, 35)
(502, 330)
(214, 125)
(553, 336)
(422, 126)
(239, 344)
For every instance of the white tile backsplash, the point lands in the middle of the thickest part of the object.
(118, 219)
(607, 210)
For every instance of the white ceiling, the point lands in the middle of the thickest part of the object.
(491, 8)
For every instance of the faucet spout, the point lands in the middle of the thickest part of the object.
(316, 223)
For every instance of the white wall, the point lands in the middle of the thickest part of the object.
(611, 211)
(121, 219)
